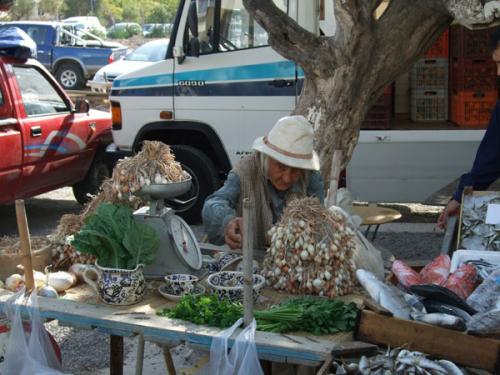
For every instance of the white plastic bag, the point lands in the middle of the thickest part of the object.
(365, 256)
(242, 359)
(28, 353)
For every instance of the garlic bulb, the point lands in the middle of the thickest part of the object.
(14, 282)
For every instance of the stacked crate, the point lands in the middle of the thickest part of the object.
(429, 84)
(380, 114)
(473, 90)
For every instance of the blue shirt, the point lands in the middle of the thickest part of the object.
(220, 207)
(486, 167)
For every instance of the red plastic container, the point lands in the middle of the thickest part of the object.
(470, 44)
(472, 108)
(441, 48)
(473, 74)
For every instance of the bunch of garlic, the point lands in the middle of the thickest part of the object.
(311, 251)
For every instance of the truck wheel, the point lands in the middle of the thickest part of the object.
(97, 173)
(70, 76)
(205, 180)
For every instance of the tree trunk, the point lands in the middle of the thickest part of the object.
(346, 73)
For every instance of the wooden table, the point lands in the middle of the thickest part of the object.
(375, 215)
(80, 308)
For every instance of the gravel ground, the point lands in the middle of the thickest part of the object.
(85, 352)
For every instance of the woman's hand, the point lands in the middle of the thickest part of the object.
(233, 233)
(450, 210)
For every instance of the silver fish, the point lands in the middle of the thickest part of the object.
(487, 323)
(450, 367)
(440, 319)
(385, 295)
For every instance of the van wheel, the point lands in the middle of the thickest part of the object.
(70, 76)
(205, 181)
(89, 186)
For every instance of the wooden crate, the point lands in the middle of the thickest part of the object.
(442, 343)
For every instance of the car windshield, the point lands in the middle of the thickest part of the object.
(149, 52)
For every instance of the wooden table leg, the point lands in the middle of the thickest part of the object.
(116, 355)
(140, 355)
(169, 361)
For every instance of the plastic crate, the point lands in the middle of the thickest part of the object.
(429, 105)
(430, 74)
(380, 114)
(470, 44)
(472, 108)
(441, 48)
(473, 74)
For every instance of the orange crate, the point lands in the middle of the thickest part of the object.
(441, 47)
(472, 108)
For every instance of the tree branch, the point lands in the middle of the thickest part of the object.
(289, 39)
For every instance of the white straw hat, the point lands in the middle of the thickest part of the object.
(290, 142)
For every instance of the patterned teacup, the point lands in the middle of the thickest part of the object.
(181, 283)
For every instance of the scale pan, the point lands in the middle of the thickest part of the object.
(166, 191)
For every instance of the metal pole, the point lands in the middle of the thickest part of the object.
(247, 261)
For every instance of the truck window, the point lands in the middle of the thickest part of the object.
(38, 95)
(236, 29)
(38, 34)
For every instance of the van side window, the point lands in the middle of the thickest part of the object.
(38, 95)
(238, 30)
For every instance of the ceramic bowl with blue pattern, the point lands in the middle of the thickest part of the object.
(229, 285)
(181, 283)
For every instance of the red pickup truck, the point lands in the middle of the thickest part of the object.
(46, 141)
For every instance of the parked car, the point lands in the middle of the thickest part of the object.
(47, 141)
(87, 23)
(156, 29)
(147, 54)
(70, 58)
(124, 30)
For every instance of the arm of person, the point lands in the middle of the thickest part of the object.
(486, 167)
(220, 209)
(315, 187)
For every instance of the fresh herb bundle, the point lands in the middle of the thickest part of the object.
(316, 315)
(113, 236)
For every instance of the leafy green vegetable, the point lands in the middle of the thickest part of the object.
(207, 310)
(316, 315)
(113, 236)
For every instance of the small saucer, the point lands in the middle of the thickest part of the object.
(167, 292)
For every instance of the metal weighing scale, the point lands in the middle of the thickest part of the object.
(179, 251)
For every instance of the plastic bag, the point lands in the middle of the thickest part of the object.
(437, 271)
(243, 357)
(487, 294)
(28, 353)
(365, 255)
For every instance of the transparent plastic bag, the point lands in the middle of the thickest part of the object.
(241, 360)
(486, 295)
(29, 352)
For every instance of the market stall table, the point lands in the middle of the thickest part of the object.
(375, 215)
(80, 308)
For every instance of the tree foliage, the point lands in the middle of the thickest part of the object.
(22, 10)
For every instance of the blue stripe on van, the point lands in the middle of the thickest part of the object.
(281, 69)
(259, 88)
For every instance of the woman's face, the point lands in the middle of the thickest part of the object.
(281, 176)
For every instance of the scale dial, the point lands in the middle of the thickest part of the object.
(185, 243)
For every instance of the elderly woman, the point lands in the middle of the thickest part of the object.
(283, 166)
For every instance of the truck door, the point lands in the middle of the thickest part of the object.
(238, 85)
(10, 145)
(409, 165)
(55, 140)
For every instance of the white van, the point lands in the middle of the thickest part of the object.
(221, 85)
